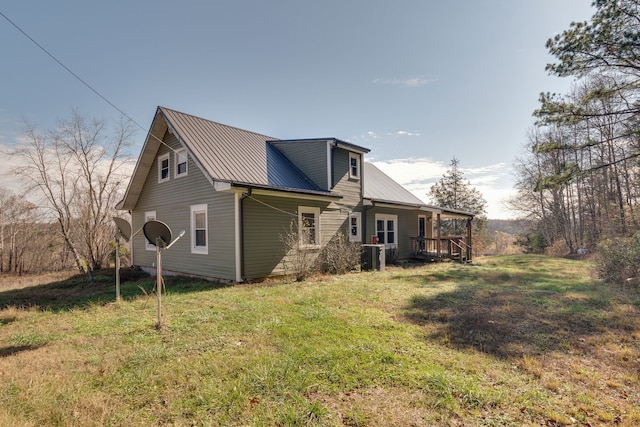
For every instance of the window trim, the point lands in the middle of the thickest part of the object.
(160, 160)
(316, 212)
(176, 156)
(149, 216)
(357, 159)
(385, 218)
(358, 217)
(194, 209)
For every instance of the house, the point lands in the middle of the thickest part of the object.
(236, 193)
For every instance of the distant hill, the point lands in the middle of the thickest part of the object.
(509, 226)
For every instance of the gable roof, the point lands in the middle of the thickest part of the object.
(223, 153)
(243, 158)
(234, 155)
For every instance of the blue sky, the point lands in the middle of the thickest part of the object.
(418, 81)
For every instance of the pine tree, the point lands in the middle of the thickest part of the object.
(453, 192)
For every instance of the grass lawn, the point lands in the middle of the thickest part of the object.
(515, 340)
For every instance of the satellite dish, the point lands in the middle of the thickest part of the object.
(123, 229)
(157, 232)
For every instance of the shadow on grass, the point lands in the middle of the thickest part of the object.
(524, 309)
(77, 292)
(14, 349)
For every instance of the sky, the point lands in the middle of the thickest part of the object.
(418, 82)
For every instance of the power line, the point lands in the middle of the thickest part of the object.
(91, 88)
(272, 207)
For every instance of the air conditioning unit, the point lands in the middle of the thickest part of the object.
(372, 258)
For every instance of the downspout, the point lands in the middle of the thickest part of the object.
(439, 241)
(332, 166)
(469, 243)
(131, 241)
(241, 230)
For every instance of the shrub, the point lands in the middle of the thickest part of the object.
(340, 256)
(559, 248)
(298, 262)
(532, 242)
(618, 259)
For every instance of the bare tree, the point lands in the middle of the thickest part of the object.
(26, 244)
(77, 170)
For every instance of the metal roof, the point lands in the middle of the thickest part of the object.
(243, 158)
(235, 155)
(380, 188)
(223, 153)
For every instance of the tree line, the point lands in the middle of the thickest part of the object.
(578, 182)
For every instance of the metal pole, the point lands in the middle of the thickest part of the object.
(117, 269)
(159, 281)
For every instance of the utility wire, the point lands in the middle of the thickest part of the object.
(82, 81)
(111, 103)
(272, 207)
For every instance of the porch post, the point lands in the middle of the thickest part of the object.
(469, 247)
(438, 242)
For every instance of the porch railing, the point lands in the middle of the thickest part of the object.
(445, 247)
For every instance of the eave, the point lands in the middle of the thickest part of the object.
(295, 193)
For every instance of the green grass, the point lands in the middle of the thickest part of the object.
(518, 340)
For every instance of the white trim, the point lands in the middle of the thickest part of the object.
(176, 157)
(149, 216)
(160, 160)
(358, 236)
(221, 186)
(385, 218)
(292, 195)
(356, 157)
(316, 220)
(238, 244)
(198, 209)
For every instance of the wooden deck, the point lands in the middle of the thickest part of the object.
(438, 249)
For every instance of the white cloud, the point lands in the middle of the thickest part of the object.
(405, 133)
(419, 174)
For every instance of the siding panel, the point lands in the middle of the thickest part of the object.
(407, 227)
(172, 200)
(267, 220)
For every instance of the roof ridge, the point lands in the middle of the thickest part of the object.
(217, 123)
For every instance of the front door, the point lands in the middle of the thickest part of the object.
(422, 227)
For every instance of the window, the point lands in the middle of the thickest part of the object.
(163, 168)
(199, 230)
(308, 226)
(149, 216)
(354, 166)
(387, 230)
(181, 162)
(355, 234)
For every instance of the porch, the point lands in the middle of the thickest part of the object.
(431, 249)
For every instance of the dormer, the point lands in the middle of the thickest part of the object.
(320, 159)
